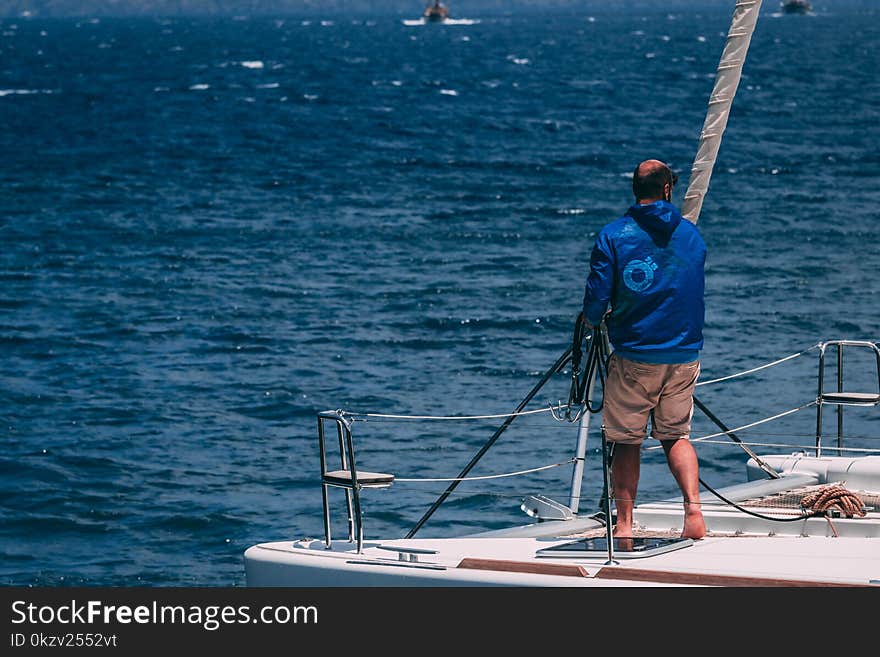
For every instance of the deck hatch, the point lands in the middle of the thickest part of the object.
(633, 548)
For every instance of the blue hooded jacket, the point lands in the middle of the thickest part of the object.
(649, 266)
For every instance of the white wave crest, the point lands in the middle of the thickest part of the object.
(24, 92)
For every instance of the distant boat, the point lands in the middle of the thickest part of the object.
(436, 13)
(796, 6)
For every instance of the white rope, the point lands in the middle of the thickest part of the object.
(757, 369)
(459, 417)
(495, 476)
(805, 447)
(754, 424)
(745, 426)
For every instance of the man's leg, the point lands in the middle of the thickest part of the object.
(628, 402)
(625, 483)
(672, 426)
(682, 460)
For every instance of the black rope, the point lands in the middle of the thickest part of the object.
(754, 513)
(596, 366)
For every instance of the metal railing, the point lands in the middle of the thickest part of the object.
(346, 478)
(841, 398)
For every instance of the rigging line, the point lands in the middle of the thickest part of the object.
(779, 434)
(785, 512)
(756, 369)
(560, 363)
(544, 426)
(754, 424)
(551, 408)
(745, 426)
(766, 468)
(480, 493)
(495, 476)
(554, 494)
(459, 417)
(769, 434)
(804, 447)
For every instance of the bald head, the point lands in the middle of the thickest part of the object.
(653, 181)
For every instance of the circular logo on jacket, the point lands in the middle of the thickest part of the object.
(639, 274)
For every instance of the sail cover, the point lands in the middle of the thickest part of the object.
(727, 78)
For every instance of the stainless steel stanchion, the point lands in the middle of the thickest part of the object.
(607, 477)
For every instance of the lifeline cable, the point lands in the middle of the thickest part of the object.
(728, 432)
(863, 450)
(757, 369)
(495, 476)
(556, 367)
(357, 415)
(456, 417)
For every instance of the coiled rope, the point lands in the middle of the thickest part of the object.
(822, 500)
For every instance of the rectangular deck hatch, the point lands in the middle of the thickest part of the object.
(633, 548)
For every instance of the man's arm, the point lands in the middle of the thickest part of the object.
(600, 282)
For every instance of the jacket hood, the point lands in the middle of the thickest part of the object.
(659, 217)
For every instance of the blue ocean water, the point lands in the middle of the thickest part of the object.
(214, 228)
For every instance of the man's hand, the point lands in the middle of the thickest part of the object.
(604, 317)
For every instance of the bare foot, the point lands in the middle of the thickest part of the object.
(694, 526)
(622, 531)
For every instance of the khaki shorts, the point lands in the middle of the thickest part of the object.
(636, 391)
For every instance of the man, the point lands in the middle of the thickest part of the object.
(648, 266)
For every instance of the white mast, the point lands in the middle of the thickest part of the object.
(745, 15)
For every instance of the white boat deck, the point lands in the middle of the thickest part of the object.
(746, 544)
(743, 560)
